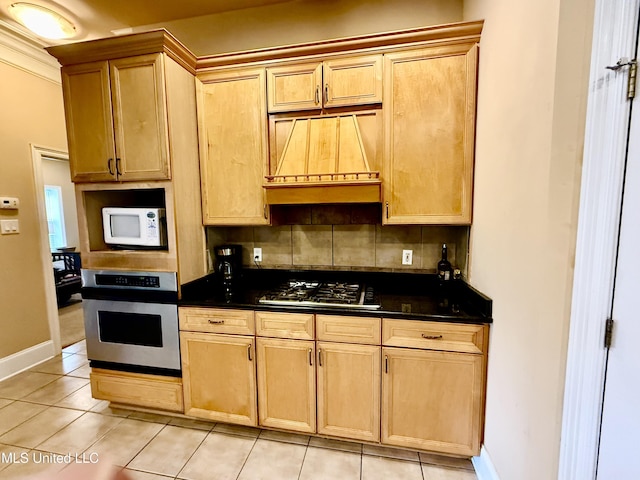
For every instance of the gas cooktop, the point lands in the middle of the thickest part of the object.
(321, 294)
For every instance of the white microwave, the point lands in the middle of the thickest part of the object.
(134, 227)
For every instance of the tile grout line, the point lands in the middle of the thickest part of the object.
(306, 450)
(247, 458)
(192, 453)
(57, 431)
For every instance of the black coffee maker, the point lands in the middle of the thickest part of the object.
(228, 266)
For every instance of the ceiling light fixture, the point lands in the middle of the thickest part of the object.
(42, 21)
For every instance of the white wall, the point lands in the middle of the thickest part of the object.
(530, 129)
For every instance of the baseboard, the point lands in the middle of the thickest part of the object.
(484, 466)
(25, 359)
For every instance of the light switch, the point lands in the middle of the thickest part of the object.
(8, 227)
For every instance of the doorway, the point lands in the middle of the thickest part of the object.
(57, 211)
(606, 134)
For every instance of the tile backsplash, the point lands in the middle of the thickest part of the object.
(346, 246)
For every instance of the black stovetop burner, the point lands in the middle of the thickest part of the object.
(323, 294)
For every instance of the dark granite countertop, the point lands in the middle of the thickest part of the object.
(401, 295)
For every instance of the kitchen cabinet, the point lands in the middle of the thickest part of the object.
(429, 110)
(218, 369)
(331, 83)
(116, 117)
(348, 370)
(433, 393)
(150, 391)
(286, 384)
(349, 391)
(219, 376)
(233, 146)
(130, 107)
(286, 370)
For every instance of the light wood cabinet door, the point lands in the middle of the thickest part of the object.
(333, 83)
(432, 400)
(349, 391)
(286, 384)
(352, 81)
(140, 119)
(117, 120)
(294, 87)
(430, 103)
(218, 373)
(87, 98)
(232, 121)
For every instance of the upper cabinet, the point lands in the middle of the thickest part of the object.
(233, 146)
(332, 83)
(429, 115)
(117, 119)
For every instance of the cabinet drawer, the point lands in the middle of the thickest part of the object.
(151, 391)
(451, 337)
(337, 328)
(284, 325)
(217, 320)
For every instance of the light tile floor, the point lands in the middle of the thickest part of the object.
(48, 410)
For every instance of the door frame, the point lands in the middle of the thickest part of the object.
(608, 111)
(38, 153)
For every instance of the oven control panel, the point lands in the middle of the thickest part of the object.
(129, 280)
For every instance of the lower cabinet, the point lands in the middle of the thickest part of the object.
(349, 391)
(287, 384)
(432, 400)
(218, 372)
(151, 391)
(408, 383)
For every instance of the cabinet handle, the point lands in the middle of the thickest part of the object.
(118, 166)
(326, 92)
(387, 205)
(431, 337)
(109, 166)
(216, 322)
(386, 364)
(317, 94)
(310, 357)
(320, 357)
(249, 353)
(264, 210)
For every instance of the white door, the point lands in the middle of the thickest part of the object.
(621, 409)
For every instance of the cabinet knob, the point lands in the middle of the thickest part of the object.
(431, 337)
(216, 322)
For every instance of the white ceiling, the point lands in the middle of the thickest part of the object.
(101, 18)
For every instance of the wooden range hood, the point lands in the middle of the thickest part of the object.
(323, 161)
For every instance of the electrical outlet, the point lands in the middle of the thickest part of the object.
(257, 254)
(407, 257)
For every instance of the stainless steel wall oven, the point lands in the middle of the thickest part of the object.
(131, 320)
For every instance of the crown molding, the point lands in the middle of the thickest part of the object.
(26, 53)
